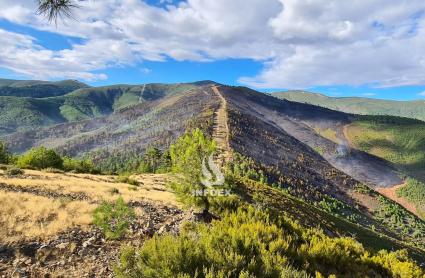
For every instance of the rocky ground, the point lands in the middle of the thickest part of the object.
(86, 253)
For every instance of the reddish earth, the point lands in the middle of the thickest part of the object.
(391, 193)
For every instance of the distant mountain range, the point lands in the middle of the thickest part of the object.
(27, 105)
(38, 89)
(357, 105)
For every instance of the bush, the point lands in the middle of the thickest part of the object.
(155, 161)
(79, 165)
(40, 158)
(414, 191)
(252, 243)
(4, 154)
(245, 167)
(126, 179)
(187, 155)
(14, 171)
(113, 218)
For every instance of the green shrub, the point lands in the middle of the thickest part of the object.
(396, 217)
(187, 155)
(253, 243)
(245, 167)
(414, 191)
(4, 154)
(125, 178)
(40, 158)
(79, 165)
(155, 161)
(363, 189)
(113, 218)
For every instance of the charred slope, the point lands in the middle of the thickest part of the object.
(127, 131)
(281, 137)
(18, 114)
(253, 135)
(318, 132)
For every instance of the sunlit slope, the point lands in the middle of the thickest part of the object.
(22, 114)
(357, 105)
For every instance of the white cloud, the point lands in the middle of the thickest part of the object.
(302, 43)
(21, 54)
(145, 70)
(422, 94)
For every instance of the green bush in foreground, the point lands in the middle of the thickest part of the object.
(252, 243)
(40, 158)
(113, 218)
(187, 156)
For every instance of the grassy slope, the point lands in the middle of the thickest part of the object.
(402, 143)
(21, 114)
(367, 106)
(310, 216)
(39, 204)
(38, 89)
(397, 140)
(414, 192)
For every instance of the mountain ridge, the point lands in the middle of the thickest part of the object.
(359, 105)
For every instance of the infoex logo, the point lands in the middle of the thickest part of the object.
(208, 177)
(212, 179)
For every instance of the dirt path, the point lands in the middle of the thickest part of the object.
(391, 194)
(221, 129)
(347, 138)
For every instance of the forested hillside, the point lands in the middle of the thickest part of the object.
(357, 105)
(22, 114)
(38, 89)
(124, 132)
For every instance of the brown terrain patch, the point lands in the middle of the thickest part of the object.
(391, 194)
(46, 221)
(90, 187)
(369, 202)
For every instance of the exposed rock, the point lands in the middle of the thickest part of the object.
(80, 253)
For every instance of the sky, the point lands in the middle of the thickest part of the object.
(366, 48)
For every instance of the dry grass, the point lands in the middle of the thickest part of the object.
(26, 216)
(97, 188)
(329, 134)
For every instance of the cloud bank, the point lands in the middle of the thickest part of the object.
(301, 43)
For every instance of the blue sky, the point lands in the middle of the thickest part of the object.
(365, 51)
